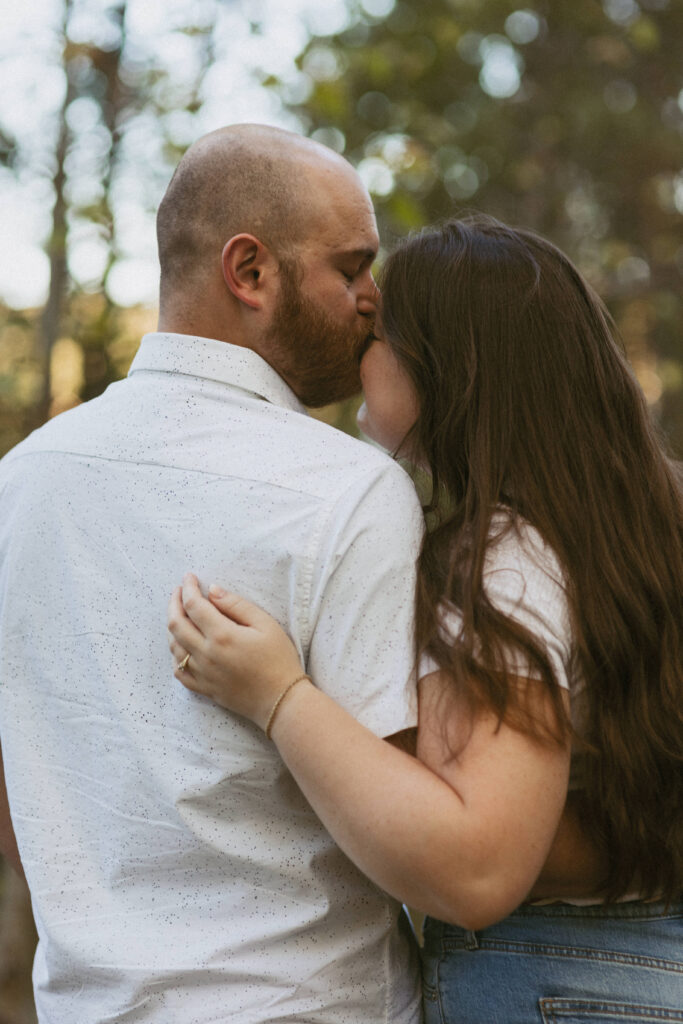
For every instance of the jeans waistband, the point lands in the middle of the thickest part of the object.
(632, 911)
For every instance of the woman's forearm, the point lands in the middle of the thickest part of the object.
(381, 805)
(401, 824)
(460, 837)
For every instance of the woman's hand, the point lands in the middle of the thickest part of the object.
(435, 833)
(239, 655)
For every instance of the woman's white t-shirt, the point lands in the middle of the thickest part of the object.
(523, 580)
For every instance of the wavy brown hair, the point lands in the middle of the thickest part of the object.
(527, 401)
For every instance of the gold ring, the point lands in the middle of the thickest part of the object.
(183, 664)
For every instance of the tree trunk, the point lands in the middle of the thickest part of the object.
(51, 319)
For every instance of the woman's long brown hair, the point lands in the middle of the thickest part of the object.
(527, 401)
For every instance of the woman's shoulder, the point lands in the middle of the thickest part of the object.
(516, 547)
(524, 579)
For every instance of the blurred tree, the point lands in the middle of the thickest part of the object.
(96, 72)
(116, 109)
(566, 118)
(50, 322)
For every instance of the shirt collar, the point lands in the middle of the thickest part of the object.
(214, 360)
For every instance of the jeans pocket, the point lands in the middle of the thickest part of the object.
(599, 1011)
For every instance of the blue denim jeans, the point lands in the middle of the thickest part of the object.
(558, 964)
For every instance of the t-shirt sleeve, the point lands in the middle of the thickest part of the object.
(524, 580)
(361, 648)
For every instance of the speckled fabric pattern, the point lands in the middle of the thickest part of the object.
(177, 873)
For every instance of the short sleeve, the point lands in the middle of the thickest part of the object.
(523, 580)
(362, 648)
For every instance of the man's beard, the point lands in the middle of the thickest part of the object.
(318, 357)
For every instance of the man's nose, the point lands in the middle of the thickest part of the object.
(368, 295)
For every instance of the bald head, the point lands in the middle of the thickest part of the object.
(244, 178)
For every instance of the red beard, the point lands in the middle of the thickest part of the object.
(318, 357)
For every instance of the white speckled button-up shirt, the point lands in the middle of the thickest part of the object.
(178, 875)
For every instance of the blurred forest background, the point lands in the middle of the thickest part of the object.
(563, 117)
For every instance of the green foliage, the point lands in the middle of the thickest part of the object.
(583, 146)
(79, 343)
(563, 117)
(19, 377)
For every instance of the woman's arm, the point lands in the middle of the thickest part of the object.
(462, 839)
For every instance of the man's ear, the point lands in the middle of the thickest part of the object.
(248, 269)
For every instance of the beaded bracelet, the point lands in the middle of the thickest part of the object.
(278, 702)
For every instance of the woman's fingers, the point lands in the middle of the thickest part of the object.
(239, 655)
(183, 670)
(181, 628)
(179, 654)
(237, 608)
(207, 619)
(184, 676)
(265, 648)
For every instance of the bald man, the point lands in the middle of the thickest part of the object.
(177, 873)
